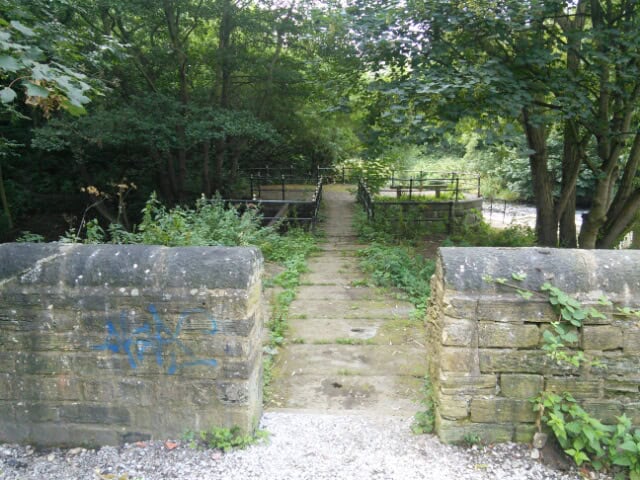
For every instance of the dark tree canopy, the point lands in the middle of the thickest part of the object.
(179, 96)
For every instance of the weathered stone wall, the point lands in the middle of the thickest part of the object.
(486, 360)
(434, 210)
(103, 344)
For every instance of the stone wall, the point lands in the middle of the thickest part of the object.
(485, 351)
(101, 344)
(462, 209)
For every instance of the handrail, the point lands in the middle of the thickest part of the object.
(364, 198)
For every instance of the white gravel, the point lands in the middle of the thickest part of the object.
(299, 446)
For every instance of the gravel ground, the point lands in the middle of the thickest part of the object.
(299, 446)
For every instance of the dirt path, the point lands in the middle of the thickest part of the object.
(351, 348)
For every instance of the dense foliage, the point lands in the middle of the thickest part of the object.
(184, 96)
(539, 69)
(181, 96)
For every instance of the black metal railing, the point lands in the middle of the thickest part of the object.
(364, 198)
(454, 185)
(420, 209)
(285, 210)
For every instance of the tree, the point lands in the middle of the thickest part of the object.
(36, 67)
(546, 64)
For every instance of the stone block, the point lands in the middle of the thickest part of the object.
(467, 384)
(453, 407)
(620, 387)
(459, 333)
(51, 388)
(43, 363)
(107, 343)
(138, 391)
(94, 414)
(602, 337)
(6, 390)
(71, 435)
(459, 306)
(7, 362)
(456, 432)
(33, 412)
(618, 364)
(631, 343)
(524, 433)
(508, 335)
(501, 410)
(579, 388)
(456, 359)
(514, 311)
(502, 360)
(605, 411)
(632, 410)
(232, 393)
(521, 386)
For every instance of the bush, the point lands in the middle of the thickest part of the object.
(400, 267)
(481, 234)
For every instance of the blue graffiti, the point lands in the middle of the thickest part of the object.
(156, 337)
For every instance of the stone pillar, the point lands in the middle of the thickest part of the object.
(101, 344)
(486, 360)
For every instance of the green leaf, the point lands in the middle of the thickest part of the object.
(629, 446)
(604, 301)
(9, 64)
(525, 294)
(519, 276)
(72, 109)
(622, 460)
(22, 29)
(34, 90)
(7, 95)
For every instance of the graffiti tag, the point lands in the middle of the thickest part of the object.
(155, 337)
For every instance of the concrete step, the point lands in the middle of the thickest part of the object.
(363, 360)
(385, 395)
(382, 309)
(374, 331)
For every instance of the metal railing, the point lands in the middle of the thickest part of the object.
(460, 185)
(445, 211)
(289, 211)
(364, 198)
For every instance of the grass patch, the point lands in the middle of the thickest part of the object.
(424, 420)
(224, 439)
(354, 341)
(481, 234)
(293, 255)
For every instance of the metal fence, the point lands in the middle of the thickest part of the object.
(285, 211)
(400, 211)
(452, 184)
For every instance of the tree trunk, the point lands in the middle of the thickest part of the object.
(224, 83)
(5, 203)
(635, 242)
(622, 221)
(566, 205)
(597, 214)
(178, 45)
(171, 175)
(206, 175)
(546, 223)
(239, 146)
(162, 176)
(568, 230)
(221, 149)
